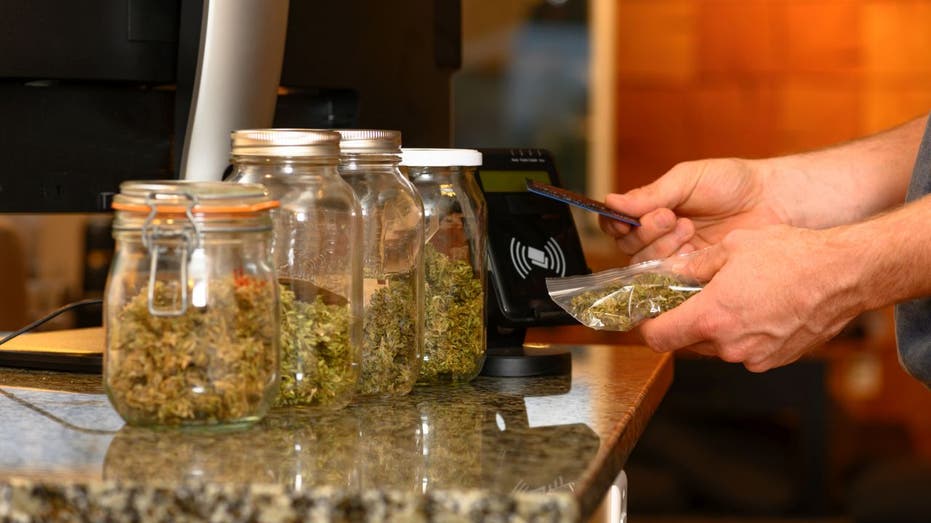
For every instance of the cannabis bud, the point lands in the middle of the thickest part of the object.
(454, 325)
(317, 361)
(620, 306)
(210, 365)
(390, 355)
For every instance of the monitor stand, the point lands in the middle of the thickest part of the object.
(508, 357)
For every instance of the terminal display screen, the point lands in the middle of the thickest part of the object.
(506, 181)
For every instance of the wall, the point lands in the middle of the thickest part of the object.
(53, 247)
(754, 78)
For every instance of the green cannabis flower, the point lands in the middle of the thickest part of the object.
(317, 364)
(390, 355)
(212, 364)
(621, 307)
(454, 338)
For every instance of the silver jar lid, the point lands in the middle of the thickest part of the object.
(369, 141)
(285, 142)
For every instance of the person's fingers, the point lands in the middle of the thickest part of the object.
(653, 204)
(666, 245)
(703, 348)
(686, 248)
(695, 321)
(757, 366)
(623, 203)
(677, 328)
(702, 265)
(629, 203)
(669, 191)
(765, 361)
(612, 227)
(652, 226)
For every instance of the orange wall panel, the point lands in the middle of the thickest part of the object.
(896, 39)
(814, 114)
(643, 57)
(821, 36)
(732, 118)
(756, 78)
(738, 37)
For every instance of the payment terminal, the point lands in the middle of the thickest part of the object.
(530, 238)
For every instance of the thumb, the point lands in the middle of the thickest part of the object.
(701, 265)
(686, 324)
(676, 328)
(668, 191)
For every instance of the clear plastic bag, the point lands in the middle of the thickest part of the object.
(619, 299)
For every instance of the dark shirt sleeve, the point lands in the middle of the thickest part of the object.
(913, 318)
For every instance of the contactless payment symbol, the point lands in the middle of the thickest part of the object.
(525, 257)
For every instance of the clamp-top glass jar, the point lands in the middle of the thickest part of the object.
(191, 308)
(392, 270)
(454, 300)
(318, 252)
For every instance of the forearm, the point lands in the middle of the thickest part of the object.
(845, 183)
(889, 255)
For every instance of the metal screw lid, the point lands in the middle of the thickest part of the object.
(369, 141)
(285, 142)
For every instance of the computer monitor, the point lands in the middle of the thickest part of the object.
(96, 92)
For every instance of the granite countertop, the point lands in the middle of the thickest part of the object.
(505, 449)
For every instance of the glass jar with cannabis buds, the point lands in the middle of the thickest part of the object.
(392, 268)
(318, 255)
(454, 262)
(191, 305)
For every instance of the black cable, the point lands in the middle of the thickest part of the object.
(50, 316)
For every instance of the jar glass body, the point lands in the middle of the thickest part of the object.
(190, 315)
(318, 252)
(392, 272)
(455, 273)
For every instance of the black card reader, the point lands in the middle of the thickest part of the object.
(530, 238)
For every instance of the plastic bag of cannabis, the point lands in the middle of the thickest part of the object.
(619, 299)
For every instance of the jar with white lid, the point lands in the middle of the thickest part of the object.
(455, 267)
(191, 305)
(392, 270)
(318, 253)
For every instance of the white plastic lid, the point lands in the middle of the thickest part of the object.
(414, 157)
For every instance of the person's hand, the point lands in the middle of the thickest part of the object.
(692, 206)
(772, 294)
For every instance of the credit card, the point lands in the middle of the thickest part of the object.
(579, 200)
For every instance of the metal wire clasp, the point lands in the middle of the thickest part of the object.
(170, 243)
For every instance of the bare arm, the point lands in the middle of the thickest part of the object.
(891, 254)
(847, 182)
(797, 246)
(696, 204)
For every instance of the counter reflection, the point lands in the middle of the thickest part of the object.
(472, 436)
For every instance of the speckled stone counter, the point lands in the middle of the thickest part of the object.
(498, 449)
